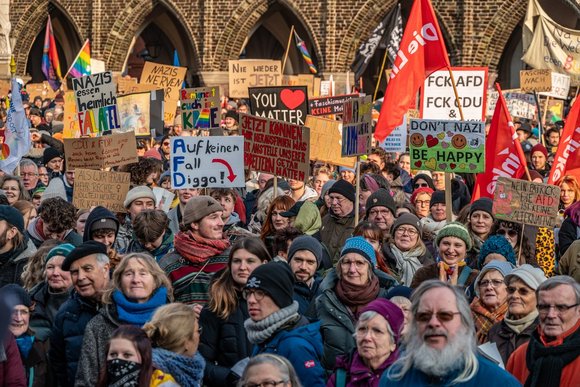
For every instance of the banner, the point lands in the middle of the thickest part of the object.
(200, 108)
(567, 158)
(325, 106)
(101, 188)
(535, 80)
(283, 103)
(325, 140)
(15, 137)
(519, 104)
(100, 152)
(169, 78)
(526, 202)
(252, 73)
(357, 131)
(96, 99)
(50, 62)
(438, 98)
(560, 86)
(276, 147)
(212, 162)
(447, 146)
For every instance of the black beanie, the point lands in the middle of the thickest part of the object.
(381, 198)
(482, 204)
(15, 295)
(12, 216)
(438, 197)
(344, 188)
(233, 114)
(49, 154)
(276, 279)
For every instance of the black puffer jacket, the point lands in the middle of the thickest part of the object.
(46, 305)
(12, 263)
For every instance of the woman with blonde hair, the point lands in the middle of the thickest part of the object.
(138, 288)
(174, 333)
(27, 210)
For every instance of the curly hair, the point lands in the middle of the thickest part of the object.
(142, 169)
(33, 273)
(58, 214)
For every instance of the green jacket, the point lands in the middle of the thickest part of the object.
(335, 231)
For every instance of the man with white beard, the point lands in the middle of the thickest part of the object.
(440, 348)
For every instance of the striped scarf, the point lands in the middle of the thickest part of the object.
(197, 249)
(484, 319)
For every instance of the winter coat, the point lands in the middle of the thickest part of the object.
(306, 296)
(308, 219)
(425, 259)
(38, 373)
(570, 262)
(223, 342)
(337, 321)
(46, 306)
(11, 369)
(507, 340)
(97, 214)
(335, 231)
(568, 233)
(432, 272)
(12, 263)
(357, 373)
(67, 337)
(124, 236)
(302, 346)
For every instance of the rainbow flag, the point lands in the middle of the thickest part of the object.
(50, 62)
(82, 64)
(305, 54)
(202, 121)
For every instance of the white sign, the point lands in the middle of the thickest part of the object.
(397, 140)
(560, 86)
(438, 99)
(213, 162)
(519, 104)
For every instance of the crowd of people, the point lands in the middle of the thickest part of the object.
(274, 283)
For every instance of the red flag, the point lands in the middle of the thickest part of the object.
(421, 52)
(567, 159)
(504, 156)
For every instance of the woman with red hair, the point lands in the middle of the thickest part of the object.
(570, 191)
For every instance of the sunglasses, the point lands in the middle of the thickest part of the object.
(421, 185)
(424, 317)
(511, 233)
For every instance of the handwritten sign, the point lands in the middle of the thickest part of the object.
(253, 73)
(308, 80)
(526, 202)
(284, 103)
(325, 140)
(535, 80)
(357, 131)
(70, 123)
(200, 108)
(170, 79)
(447, 146)
(518, 104)
(96, 99)
(397, 140)
(560, 86)
(101, 188)
(325, 106)
(100, 152)
(276, 147)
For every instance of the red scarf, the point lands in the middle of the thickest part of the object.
(198, 249)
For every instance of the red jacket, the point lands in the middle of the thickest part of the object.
(11, 370)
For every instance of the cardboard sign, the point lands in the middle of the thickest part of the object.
(43, 90)
(101, 188)
(70, 123)
(200, 108)
(101, 152)
(276, 147)
(519, 104)
(535, 80)
(438, 98)
(212, 161)
(560, 86)
(96, 99)
(325, 140)
(5, 88)
(357, 131)
(253, 73)
(170, 79)
(526, 202)
(284, 103)
(325, 106)
(397, 140)
(308, 80)
(447, 146)
(555, 111)
(134, 112)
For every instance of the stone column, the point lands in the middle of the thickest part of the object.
(5, 48)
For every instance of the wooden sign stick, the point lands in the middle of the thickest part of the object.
(357, 192)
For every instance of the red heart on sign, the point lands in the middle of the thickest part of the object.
(292, 99)
(418, 163)
(431, 141)
(452, 165)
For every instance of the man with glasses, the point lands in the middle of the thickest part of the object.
(440, 346)
(381, 209)
(552, 356)
(338, 223)
(29, 175)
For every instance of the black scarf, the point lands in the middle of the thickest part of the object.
(546, 363)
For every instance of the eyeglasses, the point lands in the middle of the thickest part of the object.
(424, 317)
(166, 143)
(496, 283)
(511, 233)
(336, 198)
(523, 291)
(258, 294)
(421, 185)
(374, 212)
(422, 202)
(410, 231)
(545, 308)
(28, 174)
(267, 383)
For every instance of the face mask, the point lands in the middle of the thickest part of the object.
(123, 373)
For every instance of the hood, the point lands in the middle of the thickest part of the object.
(309, 193)
(308, 219)
(233, 220)
(98, 213)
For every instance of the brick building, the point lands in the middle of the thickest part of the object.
(207, 33)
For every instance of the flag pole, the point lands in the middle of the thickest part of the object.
(287, 48)
(380, 75)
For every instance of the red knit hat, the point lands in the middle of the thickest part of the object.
(419, 191)
(540, 148)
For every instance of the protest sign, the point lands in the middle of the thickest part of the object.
(308, 80)
(100, 152)
(212, 161)
(96, 99)
(97, 66)
(560, 86)
(519, 104)
(325, 140)
(357, 131)
(535, 80)
(134, 112)
(101, 188)
(555, 111)
(43, 90)
(5, 87)
(163, 198)
(200, 108)
(438, 98)
(283, 103)
(70, 124)
(526, 202)
(276, 147)
(325, 106)
(170, 79)
(253, 73)
(447, 146)
(397, 140)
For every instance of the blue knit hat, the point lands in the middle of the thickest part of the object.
(499, 245)
(360, 246)
(504, 268)
(63, 250)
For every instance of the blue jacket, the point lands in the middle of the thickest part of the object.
(67, 337)
(302, 346)
(488, 374)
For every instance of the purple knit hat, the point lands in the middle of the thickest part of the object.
(391, 312)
